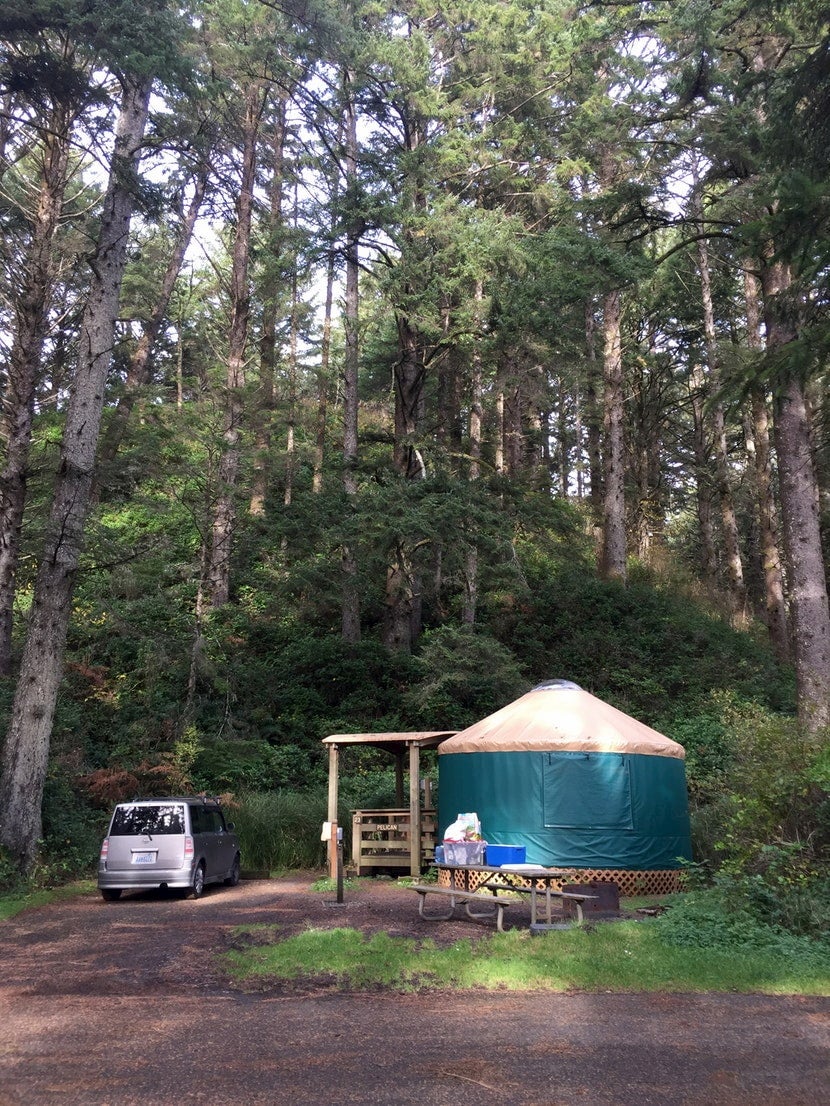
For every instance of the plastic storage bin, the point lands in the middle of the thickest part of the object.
(464, 852)
(497, 855)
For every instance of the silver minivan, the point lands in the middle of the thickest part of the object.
(181, 842)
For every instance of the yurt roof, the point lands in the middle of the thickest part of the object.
(560, 716)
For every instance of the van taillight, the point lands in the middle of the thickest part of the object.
(188, 847)
(105, 844)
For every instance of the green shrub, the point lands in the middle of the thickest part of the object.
(10, 877)
(740, 914)
(775, 797)
(72, 831)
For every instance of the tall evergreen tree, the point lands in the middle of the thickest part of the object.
(27, 740)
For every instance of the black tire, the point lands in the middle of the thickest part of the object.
(110, 894)
(197, 885)
(233, 878)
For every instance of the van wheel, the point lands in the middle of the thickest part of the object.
(110, 894)
(233, 878)
(198, 884)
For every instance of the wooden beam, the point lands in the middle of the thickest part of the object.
(415, 808)
(334, 797)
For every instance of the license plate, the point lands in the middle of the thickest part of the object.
(144, 858)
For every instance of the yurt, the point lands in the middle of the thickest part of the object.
(579, 784)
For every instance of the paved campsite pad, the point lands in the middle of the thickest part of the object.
(121, 1004)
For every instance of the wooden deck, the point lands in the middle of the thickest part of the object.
(383, 839)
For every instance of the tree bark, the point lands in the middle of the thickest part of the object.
(224, 512)
(469, 601)
(613, 555)
(268, 335)
(24, 368)
(510, 449)
(729, 523)
(703, 468)
(807, 582)
(350, 605)
(28, 737)
(774, 605)
(321, 421)
(410, 374)
(291, 396)
(593, 418)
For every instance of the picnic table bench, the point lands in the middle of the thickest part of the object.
(488, 892)
(578, 898)
(468, 898)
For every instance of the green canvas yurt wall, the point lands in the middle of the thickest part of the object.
(579, 783)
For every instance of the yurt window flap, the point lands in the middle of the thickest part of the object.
(587, 790)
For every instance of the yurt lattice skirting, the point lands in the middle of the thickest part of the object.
(629, 883)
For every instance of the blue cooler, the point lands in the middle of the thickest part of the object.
(499, 855)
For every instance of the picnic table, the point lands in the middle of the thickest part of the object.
(489, 884)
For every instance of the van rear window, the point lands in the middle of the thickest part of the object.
(132, 821)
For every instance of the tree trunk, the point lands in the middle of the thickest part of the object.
(448, 389)
(224, 511)
(729, 523)
(563, 440)
(774, 606)
(24, 367)
(27, 740)
(703, 468)
(410, 374)
(613, 556)
(806, 578)
(293, 351)
(403, 591)
(498, 458)
(268, 334)
(593, 419)
(512, 431)
(323, 382)
(399, 603)
(350, 606)
(6, 116)
(469, 601)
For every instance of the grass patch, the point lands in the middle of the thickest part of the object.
(622, 956)
(326, 883)
(13, 902)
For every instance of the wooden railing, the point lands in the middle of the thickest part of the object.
(383, 839)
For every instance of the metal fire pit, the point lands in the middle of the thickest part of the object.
(605, 904)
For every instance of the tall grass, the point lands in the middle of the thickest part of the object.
(280, 829)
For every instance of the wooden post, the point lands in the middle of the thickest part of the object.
(414, 808)
(334, 782)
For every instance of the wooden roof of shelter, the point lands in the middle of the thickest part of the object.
(391, 742)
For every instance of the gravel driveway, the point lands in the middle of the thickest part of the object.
(122, 1003)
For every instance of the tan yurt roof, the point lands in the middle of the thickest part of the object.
(560, 716)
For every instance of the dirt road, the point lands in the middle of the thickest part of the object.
(121, 1004)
